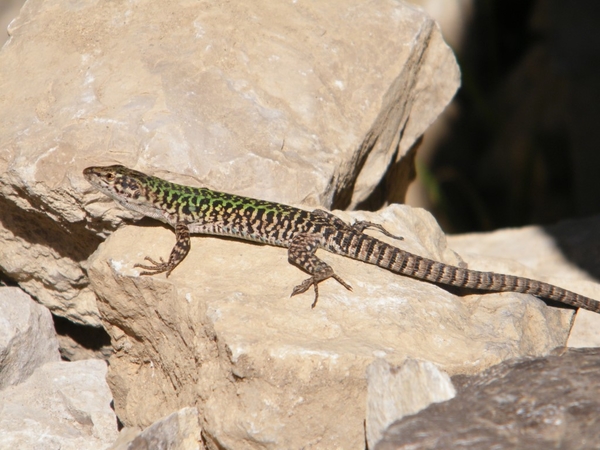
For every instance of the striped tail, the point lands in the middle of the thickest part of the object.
(373, 251)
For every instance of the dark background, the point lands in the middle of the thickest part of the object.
(521, 141)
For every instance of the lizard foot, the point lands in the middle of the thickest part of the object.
(361, 225)
(155, 268)
(312, 281)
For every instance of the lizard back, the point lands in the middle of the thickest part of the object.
(204, 210)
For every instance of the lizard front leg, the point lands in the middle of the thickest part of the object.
(179, 252)
(302, 254)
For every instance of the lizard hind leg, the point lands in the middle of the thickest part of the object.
(358, 226)
(301, 253)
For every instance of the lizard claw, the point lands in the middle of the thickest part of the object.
(313, 282)
(303, 287)
(155, 267)
(342, 282)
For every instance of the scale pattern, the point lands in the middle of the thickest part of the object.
(201, 210)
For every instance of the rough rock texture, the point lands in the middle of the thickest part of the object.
(45, 257)
(542, 403)
(178, 431)
(291, 101)
(560, 253)
(62, 405)
(395, 392)
(221, 333)
(27, 337)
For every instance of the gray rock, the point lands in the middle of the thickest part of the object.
(177, 431)
(27, 336)
(395, 392)
(534, 403)
(62, 405)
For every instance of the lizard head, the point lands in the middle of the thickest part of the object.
(134, 190)
(117, 181)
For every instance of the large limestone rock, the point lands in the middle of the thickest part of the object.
(292, 101)
(27, 336)
(266, 370)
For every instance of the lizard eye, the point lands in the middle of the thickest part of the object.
(110, 176)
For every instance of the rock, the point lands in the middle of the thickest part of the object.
(395, 392)
(533, 403)
(296, 102)
(179, 430)
(557, 253)
(62, 405)
(126, 435)
(585, 330)
(266, 370)
(27, 336)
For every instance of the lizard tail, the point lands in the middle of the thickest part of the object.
(381, 254)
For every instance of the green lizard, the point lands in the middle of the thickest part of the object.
(201, 210)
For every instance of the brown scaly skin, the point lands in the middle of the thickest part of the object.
(200, 210)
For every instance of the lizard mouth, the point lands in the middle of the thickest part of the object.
(93, 177)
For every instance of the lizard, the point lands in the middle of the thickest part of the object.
(199, 210)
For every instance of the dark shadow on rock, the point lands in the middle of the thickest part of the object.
(579, 241)
(69, 240)
(83, 341)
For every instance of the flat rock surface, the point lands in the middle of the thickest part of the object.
(221, 333)
(534, 403)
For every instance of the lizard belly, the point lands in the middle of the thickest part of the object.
(218, 229)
